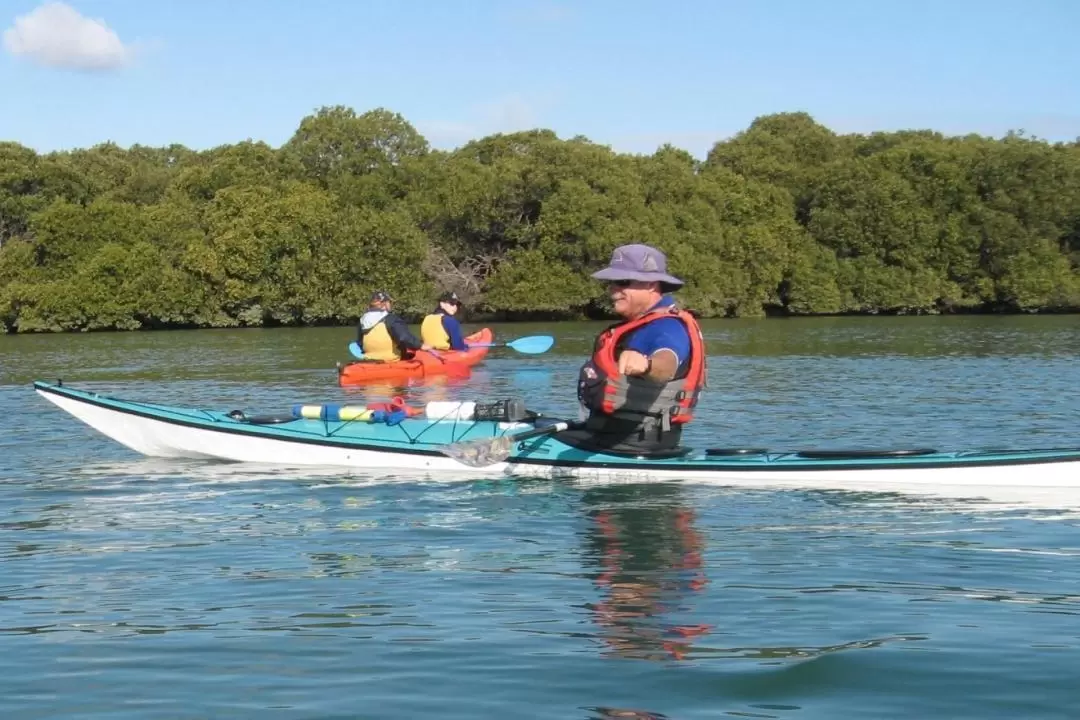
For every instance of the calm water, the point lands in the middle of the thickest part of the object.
(141, 588)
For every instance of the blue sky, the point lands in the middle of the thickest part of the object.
(631, 74)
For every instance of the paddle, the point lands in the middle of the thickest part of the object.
(489, 451)
(531, 345)
(358, 352)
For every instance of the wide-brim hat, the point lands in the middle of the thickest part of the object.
(638, 262)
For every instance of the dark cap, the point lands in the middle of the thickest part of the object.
(381, 296)
(450, 297)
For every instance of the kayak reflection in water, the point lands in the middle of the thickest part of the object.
(609, 713)
(649, 557)
(418, 390)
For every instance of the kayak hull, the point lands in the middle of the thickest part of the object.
(423, 364)
(412, 446)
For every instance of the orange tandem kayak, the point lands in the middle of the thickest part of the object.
(422, 364)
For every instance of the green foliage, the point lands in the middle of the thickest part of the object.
(364, 158)
(785, 217)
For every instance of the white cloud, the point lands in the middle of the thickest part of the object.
(505, 115)
(509, 114)
(56, 35)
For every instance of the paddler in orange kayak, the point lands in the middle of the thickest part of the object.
(441, 330)
(384, 336)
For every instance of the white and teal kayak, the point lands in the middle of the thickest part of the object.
(430, 447)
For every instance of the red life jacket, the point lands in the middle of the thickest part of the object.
(603, 390)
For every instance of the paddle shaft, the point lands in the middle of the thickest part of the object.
(357, 352)
(532, 345)
(537, 432)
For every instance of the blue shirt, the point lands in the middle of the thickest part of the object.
(453, 329)
(667, 333)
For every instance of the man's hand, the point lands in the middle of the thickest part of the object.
(661, 366)
(631, 362)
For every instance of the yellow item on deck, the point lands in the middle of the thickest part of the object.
(333, 413)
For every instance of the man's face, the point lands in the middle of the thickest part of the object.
(631, 298)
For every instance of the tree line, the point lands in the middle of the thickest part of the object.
(786, 217)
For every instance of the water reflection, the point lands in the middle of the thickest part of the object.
(415, 390)
(610, 713)
(648, 556)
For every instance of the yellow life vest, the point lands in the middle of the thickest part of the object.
(378, 345)
(433, 333)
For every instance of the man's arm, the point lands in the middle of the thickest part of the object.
(453, 329)
(656, 351)
(401, 334)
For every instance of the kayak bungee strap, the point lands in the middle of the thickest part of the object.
(454, 436)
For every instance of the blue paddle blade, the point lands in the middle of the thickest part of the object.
(532, 345)
(356, 350)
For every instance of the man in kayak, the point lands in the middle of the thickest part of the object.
(383, 335)
(642, 382)
(441, 330)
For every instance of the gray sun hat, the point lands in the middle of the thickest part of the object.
(639, 262)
